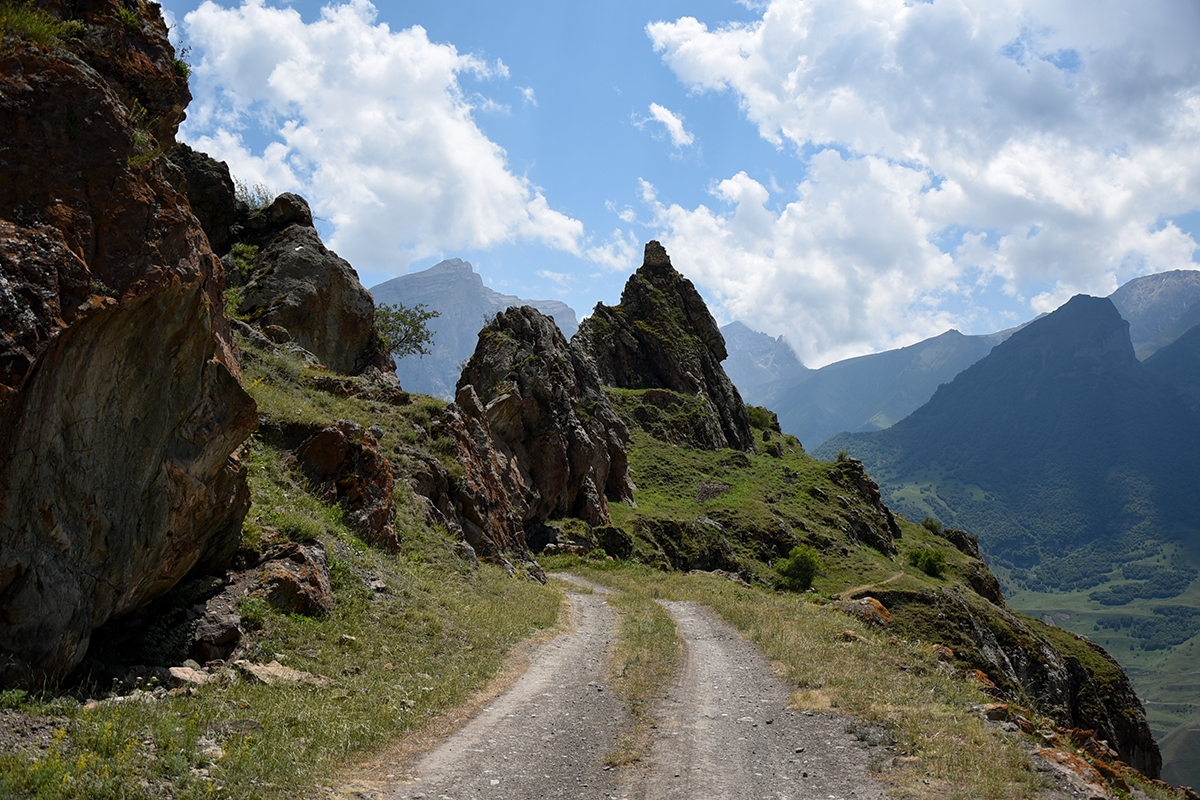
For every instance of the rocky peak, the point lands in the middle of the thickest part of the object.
(549, 416)
(662, 336)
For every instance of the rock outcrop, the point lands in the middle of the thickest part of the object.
(549, 417)
(479, 497)
(210, 193)
(1073, 680)
(345, 464)
(455, 290)
(120, 406)
(313, 294)
(662, 336)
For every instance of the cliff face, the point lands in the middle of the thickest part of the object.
(120, 407)
(662, 336)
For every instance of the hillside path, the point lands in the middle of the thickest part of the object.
(724, 731)
(547, 735)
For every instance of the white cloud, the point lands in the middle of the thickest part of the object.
(370, 124)
(528, 95)
(1038, 143)
(673, 123)
(622, 251)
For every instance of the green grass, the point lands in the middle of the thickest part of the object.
(397, 659)
(27, 21)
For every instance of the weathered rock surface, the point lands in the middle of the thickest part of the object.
(295, 579)
(210, 193)
(877, 527)
(120, 407)
(1073, 680)
(481, 499)
(346, 465)
(662, 336)
(549, 417)
(305, 288)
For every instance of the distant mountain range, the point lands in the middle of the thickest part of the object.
(456, 291)
(875, 391)
(1059, 438)
(1076, 465)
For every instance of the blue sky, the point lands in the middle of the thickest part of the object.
(852, 174)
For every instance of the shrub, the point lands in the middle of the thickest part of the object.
(932, 525)
(256, 197)
(404, 330)
(799, 568)
(842, 455)
(931, 562)
(760, 417)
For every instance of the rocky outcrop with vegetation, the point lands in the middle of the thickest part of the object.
(550, 418)
(120, 406)
(662, 336)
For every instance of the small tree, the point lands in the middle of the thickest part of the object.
(403, 329)
(799, 568)
(932, 525)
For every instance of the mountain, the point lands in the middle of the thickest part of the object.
(1061, 430)
(456, 291)
(756, 358)
(870, 392)
(1188, 320)
(1154, 303)
(1179, 363)
(1074, 463)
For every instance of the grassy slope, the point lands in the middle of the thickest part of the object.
(397, 658)
(771, 504)
(400, 657)
(1166, 679)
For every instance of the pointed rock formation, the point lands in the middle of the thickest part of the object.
(548, 415)
(662, 336)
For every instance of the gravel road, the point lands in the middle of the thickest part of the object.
(547, 735)
(724, 732)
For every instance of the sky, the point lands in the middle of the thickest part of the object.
(854, 175)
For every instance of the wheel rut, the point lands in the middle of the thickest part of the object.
(724, 731)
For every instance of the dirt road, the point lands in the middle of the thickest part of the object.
(724, 732)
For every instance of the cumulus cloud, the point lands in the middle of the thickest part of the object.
(1038, 148)
(673, 123)
(370, 124)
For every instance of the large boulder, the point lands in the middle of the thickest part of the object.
(120, 406)
(210, 192)
(300, 285)
(548, 414)
(662, 336)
